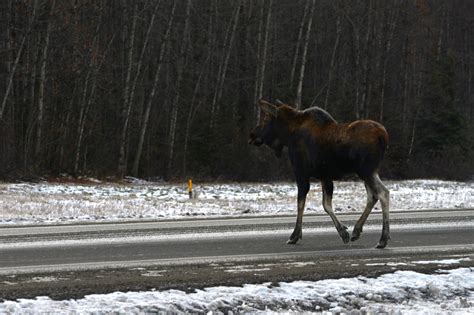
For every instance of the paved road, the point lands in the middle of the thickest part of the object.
(184, 254)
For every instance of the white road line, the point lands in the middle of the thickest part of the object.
(164, 238)
(199, 223)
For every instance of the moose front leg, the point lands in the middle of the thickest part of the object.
(328, 188)
(303, 188)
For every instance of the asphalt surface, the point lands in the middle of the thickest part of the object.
(65, 261)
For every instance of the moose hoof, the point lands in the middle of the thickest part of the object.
(344, 234)
(356, 234)
(382, 243)
(295, 237)
(292, 241)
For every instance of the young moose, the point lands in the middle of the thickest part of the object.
(321, 148)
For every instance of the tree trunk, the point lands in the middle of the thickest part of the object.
(135, 80)
(405, 92)
(142, 54)
(189, 120)
(444, 20)
(299, 88)
(356, 70)
(64, 127)
(15, 63)
(470, 102)
(28, 135)
(224, 64)
(41, 87)
(146, 113)
(175, 104)
(258, 53)
(388, 46)
(122, 162)
(193, 107)
(333, 59)
(84, 103)
(366, 84)
(263, 59)
(298, 45)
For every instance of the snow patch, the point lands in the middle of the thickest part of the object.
(395, 293)
(45, 279)
(442, 262)
(31, 203)
(154, 273)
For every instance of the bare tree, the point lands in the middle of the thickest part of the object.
(299, 89)
(333, 59)
(17, 59)
(221, 75)
(388, 46)
(298, 44)
(42, 82)
(258, 53)
(126, 109)
(151, 95)
(193, 106)
(263, 57)
(175, 104)
(366, 85)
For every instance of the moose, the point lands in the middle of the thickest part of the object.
(321, 148)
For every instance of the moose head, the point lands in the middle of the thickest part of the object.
(267, 131)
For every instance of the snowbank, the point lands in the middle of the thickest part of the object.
(51, 203)
(402, 292)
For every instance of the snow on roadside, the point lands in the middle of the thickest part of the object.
(28, 203)
(402, 292)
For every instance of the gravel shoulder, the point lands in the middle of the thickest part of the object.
(188, 277)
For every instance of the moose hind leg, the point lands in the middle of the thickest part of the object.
(384, 196)
(371, 201)
(328, 188)
(303, 188)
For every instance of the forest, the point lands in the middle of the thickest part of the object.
(168, 89)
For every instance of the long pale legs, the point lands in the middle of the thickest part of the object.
(375, 191)
(328, 188)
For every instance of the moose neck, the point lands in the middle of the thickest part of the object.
(287, 122)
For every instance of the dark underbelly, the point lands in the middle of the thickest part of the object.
(334, 169)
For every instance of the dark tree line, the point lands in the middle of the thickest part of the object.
(168, 88)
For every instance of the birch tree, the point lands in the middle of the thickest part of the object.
(175, 104)
(366, 84)
(193, 107)
(151, 96)
(333, 60)
(42, 83)
(388, 46)
(221, 74)
(17, 59)
(263, 57)
(298, 44)
(126, 109)
(299, 88)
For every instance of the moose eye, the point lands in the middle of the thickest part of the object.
(266, 119)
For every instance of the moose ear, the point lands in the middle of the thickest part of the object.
(268, 108)
(279, 102)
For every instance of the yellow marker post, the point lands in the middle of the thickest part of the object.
(190, 188)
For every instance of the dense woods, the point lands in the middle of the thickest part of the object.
(168, 88)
